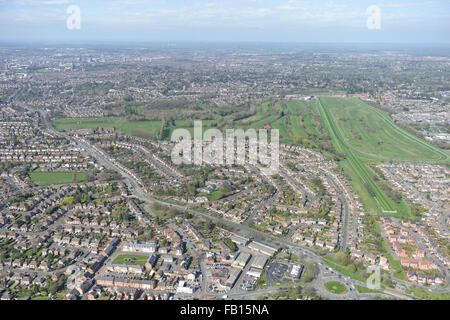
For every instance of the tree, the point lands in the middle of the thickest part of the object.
(68, 201)
(351, 268)
(230, 244)
(191, 189)
(164, 242)
(187, 215)
(369, 189)
(341, 257)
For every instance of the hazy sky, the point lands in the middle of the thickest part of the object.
(226, 20)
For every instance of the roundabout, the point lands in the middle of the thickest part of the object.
(336, 287)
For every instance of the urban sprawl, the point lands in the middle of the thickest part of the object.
(93, 207)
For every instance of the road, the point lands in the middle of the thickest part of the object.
(240, 229)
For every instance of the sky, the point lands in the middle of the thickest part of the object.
(399, 21)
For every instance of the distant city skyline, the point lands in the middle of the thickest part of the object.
(225, 20)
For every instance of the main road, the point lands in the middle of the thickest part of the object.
(243, 230)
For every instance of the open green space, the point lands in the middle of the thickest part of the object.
(371, 133)
(149, 129)
(336, 287)
(362, 289)
(358, 133)
(428, 295)
(216, 195)
(40, 298)
(131, 259)
(48, 178)
(296, 121)
(144, 129)
(189, 125)
(359, 173)
(305, 118)
(365, 134)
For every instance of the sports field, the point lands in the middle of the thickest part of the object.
(48, 178)
(189, 125)
(131, 259)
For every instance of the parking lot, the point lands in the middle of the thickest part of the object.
(248, 283)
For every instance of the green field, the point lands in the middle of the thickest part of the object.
(48, 178)
(145, 129)
(342, 269)
(131, 259)
(365, 134)
(189, 125)
(424, 294)
(303, 118)
(362, 289)
(372, 135)
(336, 287)
(291, 118)
(296, 120)
(216, 195)
(40, 298)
